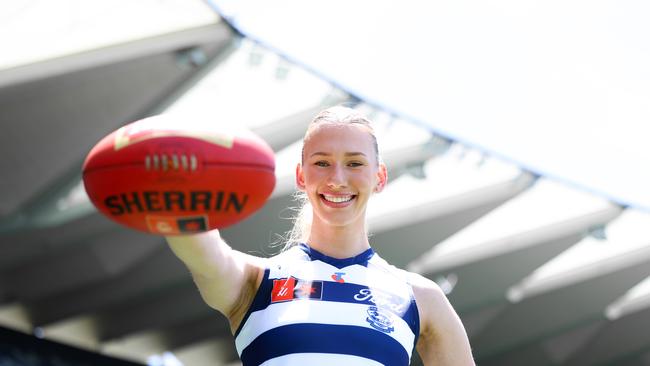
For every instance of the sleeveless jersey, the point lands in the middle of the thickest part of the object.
(316, 310)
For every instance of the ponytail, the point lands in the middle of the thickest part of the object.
(299, 232)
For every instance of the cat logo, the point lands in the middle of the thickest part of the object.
(380, 320)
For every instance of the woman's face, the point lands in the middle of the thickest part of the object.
(339, 173)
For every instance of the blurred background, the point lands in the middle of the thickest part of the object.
(515, 133)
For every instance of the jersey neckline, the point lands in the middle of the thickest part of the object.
(360, 259)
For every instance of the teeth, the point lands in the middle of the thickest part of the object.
(337, 199)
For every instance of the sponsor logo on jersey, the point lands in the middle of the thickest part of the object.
(283, 289)
(338, 277)
(287, 289)
(380, 320)
(383, 300)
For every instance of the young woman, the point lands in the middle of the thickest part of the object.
(329, 299)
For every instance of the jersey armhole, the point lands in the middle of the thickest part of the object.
(415, 326)
(414, 316)
(260, 301)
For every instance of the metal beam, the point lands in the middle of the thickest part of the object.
(563, 305)
(170, 42)
(101, 257)
(66, 112)
(158, 271)
(624, 336)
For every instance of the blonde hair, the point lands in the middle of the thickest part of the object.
(299, 233)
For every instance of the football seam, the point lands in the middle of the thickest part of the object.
(247, 165)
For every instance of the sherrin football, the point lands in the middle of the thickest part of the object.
(172, 175)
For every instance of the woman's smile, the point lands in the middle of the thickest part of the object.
(338, 200)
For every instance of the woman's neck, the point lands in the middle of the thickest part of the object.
(338, 242)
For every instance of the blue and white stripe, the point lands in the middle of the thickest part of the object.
(370, 319)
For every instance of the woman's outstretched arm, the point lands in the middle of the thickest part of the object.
(227, 279)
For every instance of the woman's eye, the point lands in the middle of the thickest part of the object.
(321, 163)
(355, 164)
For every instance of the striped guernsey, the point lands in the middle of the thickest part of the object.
(316, 310)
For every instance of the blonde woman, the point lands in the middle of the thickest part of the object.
(328, 299)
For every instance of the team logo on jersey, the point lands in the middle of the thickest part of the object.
(308, 290)
(338, 277)
(287, 289)
(380, 320)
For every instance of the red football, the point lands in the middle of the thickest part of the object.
(171, 175)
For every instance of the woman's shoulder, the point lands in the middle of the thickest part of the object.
(430, 299)
(289, 253)
(415, 280)
(441, 329)
(286, 259)
(424, 288)
(437, 315)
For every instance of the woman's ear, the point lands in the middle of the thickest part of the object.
(300, 177)
(382, 178)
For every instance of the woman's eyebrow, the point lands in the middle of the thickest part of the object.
(353, 153)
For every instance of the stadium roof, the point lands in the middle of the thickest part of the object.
(543, 262)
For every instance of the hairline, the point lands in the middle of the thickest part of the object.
(361, 122)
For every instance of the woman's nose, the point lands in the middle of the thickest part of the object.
(337, 177)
